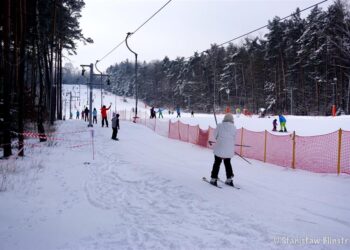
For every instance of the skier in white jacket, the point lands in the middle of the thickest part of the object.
(225, 135)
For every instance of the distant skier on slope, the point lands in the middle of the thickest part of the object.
(115, 126)
(104, 114)
(225, 135)
(94, 116)
(283, 122)
(160, 113)
(86, 114)
(178, 112)
(274, 124)
(153, 113)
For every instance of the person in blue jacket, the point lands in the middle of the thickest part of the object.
(283, 122)
(178, 112)
(94, 115)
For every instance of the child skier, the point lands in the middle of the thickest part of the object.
(274, 124)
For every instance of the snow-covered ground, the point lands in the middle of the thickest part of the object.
(302, 125)
(145, 192)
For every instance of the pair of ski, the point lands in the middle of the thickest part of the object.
(206, 180)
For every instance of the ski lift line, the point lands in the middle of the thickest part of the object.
(135, 30)
(262, 27)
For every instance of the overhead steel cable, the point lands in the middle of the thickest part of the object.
(262, 27)
(135, 30)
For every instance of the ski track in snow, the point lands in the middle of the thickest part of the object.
(122, 201)
(151, 200)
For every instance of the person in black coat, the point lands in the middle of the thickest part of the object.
(115, 126)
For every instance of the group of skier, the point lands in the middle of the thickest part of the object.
(224, 134)
(115, 119)
(160, 113)
(85, 115)
(282, 121)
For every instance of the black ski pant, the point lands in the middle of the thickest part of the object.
(104, 119)
(94, 119)
(114, 134)
(216, 167)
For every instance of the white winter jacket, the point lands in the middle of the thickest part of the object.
(225, 135)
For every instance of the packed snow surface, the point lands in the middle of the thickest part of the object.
(145, 192)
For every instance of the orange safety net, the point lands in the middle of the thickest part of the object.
(183, 131)
(345, 153)
(174, 130)
(254, 141)
(162, 128)
(279, 149)
(203, 136)
(317, 153)
(211, 137)
(193, 134)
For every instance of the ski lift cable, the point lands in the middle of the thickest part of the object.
(262, 27)
(113, 49)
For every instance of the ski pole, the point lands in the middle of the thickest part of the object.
(239, 145)
(243, 158)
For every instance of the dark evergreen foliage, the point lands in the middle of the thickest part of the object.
(303, 55)
(33, 34)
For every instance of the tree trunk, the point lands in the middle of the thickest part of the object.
(7, 79)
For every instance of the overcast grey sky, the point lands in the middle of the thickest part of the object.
(180, 29)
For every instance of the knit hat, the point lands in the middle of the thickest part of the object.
(228, 118)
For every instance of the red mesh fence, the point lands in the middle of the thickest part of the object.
(211, 137)
(279, 149)
(203, 136)
(183, 131)
(174, 130)
(193, 134)
(312, 153)
(151, 123)
(345, 153)
(317, 153)
(255, 142)
(162, 128)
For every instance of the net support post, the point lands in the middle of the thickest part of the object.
(241, 149)
(265, 143)
(293, 145)
(340, 132)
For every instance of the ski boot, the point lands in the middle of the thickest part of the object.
(229, 182)
(214, 181)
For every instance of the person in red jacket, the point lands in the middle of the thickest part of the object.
(104, 114)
